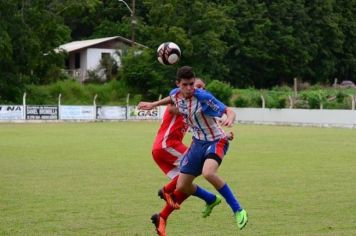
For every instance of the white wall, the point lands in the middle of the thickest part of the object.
(93, 57)
(83, 59)
(333, 118)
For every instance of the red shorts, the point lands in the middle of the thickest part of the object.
(168, 159)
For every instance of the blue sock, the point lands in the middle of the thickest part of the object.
(201, 193)
(230, 198)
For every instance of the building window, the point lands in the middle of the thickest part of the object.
(105, 55)
(66, 63)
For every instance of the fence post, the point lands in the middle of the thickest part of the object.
(295, 86)
(59, 106)
(24, 105)
(290, 102)
(263, 101)
(335, 82)
(94, 106)
(353, 98)
(127, 106)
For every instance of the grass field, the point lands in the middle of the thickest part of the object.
(99, 179)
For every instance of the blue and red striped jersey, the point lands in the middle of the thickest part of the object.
(199, 112)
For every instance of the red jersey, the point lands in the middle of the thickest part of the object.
(171, 132)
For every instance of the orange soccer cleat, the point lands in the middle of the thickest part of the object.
(160, 224)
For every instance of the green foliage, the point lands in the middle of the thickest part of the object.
(259, 44)
(74, 93)
(198, 27)
(29, 32)
(313, 98)
(220, 90)
(247, 98)
(274, 99)
(242, 101)
(144, 75)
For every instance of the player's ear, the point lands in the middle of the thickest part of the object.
(177, 83)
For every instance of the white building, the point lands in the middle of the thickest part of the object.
(85, 55)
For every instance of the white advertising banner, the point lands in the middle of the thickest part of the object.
(137, 114)
(11, 112)
(110, 113)
(77, 113)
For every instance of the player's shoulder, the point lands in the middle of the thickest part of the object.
(202, 94)
(174, 91)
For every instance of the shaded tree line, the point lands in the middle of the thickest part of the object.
(251, 43)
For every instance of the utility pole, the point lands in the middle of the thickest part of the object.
(133, 19)
(133, 23)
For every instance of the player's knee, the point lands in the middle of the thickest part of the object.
(208, 175)
(182, 188)
(185, 188)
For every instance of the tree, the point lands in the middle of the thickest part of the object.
(197, 27)
(144, 75)
(346, 63)
(326, 40)
(29, 33)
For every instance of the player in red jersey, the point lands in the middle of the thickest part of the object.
(168, 147)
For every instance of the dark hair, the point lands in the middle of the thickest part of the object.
(185, 72)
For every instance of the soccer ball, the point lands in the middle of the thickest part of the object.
(168, 53)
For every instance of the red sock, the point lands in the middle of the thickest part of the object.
(167, 210)
(171, 186)
(179, 196)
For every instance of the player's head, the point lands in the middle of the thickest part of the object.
(185, 80)
(199, 83)
(185, 72)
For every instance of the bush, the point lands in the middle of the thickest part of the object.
(274, 100)
(221, 91)
(248, 98)
(314, 98)
(242, 101)
(74, 93)
(39, 96)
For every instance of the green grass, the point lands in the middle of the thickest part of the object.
(99, 179)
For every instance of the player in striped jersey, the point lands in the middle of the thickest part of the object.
(167, 152)
(210, 143)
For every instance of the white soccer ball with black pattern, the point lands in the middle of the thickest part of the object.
(168, 53)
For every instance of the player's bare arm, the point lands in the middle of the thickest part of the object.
(151, 105)
(230, 117)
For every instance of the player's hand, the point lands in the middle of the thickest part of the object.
(145, 105)
(228, 122)
(230, 136)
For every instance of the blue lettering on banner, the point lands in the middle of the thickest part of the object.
(13, 108)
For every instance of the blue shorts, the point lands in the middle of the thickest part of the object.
(193, 161)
